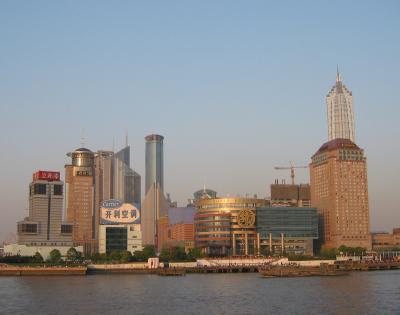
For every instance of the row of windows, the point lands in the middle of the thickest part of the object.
(41, 189)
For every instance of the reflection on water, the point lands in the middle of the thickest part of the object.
(360, 293)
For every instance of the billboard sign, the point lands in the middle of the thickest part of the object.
(116, 212)
(46, 175)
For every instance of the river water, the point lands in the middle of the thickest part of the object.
(247, 293)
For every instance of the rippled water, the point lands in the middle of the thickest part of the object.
(359, 293)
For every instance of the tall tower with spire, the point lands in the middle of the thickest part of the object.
(339, 103)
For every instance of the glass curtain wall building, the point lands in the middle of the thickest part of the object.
(154, 161)
(287, 229)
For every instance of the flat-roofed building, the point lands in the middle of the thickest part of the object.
(290, 195)
(227, 226)
(291, 230)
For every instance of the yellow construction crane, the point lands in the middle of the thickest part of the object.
(291, 168)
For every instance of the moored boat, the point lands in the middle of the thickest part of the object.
(302, 271)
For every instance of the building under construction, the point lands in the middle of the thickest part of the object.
(290, 194)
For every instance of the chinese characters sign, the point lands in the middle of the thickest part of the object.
(115, 212)
(46, 175)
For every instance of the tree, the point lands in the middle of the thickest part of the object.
(149, 251)
(73, 255)
(194, 253)
(178, 253)
(37, 258)
(126, 256)
(115, 256)
(55, 256)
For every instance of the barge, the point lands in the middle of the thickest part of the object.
(302, 271)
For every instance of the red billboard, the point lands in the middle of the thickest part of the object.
(46, 175)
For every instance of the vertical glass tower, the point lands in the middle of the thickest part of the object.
(154, 161)
(339, 102)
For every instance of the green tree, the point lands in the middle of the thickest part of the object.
(74, 255)
(55, 256)
(37, 258)
(194, 253)
(149, 251)
(328, 253)
(126, 256)
(115, 256)
(178, 253)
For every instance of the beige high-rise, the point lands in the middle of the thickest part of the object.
(79, 180)
(339, 190)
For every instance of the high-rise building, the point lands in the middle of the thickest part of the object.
(339, 190)
(44, 225)
(103, 181)
(80, 198)
(43, 230)
(154, 161)
(126, 182)
(154, 203)
(339, 102)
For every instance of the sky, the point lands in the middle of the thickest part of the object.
(235, 87)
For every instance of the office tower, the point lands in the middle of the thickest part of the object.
(154, 161)
(339, 190)
(126, 182)
(80, 193)
(103, 181)
(339, 102)
(154, 204)
(44, 225)
(290, 195)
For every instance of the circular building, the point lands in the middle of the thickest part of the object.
(227, 226)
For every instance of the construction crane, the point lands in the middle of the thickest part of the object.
(291, 168)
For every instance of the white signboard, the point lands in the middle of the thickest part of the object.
(115, 212)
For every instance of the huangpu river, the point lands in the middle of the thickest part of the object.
(247, 293)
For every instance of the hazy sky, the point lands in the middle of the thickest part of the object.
(236, 87)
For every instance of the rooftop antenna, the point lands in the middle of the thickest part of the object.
(113, 144)
(83, 138)
(126, 138)
(338, 78)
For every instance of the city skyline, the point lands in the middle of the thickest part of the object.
(229, 112)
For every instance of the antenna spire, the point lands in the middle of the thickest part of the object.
(126, 138)
(83, 138)
(338, 78)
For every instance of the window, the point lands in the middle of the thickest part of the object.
(39, 189)
(28, 228)
(66, 228)
(58, 190)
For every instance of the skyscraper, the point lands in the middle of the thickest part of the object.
(154, 161)
(154, 204)
(339, 103)
(44, 225)
(80, 193)
(339, 190)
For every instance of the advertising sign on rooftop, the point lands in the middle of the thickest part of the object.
(46, 175)
(116, 212)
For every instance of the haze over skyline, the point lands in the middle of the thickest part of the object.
(235, 89)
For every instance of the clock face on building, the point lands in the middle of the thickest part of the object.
(246, 218)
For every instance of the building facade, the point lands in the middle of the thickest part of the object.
(339, 103)
(227, 226)
(290, 195)
(44, 226)
(154, 205)
(290, 230)
(80, 198)
(120, 228)
(339, 190)
(43, 230)
(154, 161)
(386, 241)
